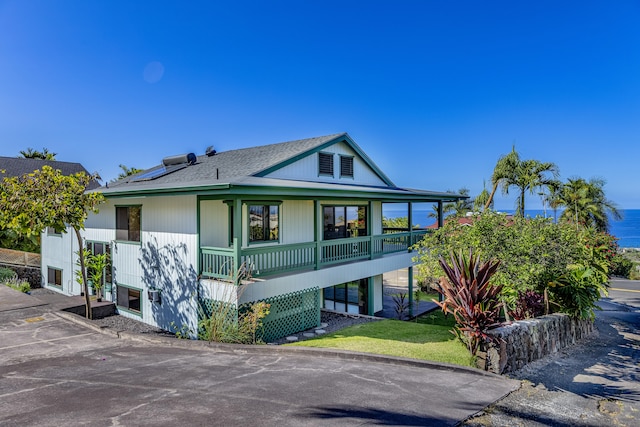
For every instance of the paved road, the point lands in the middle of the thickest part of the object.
(596, 383)
(54, 372)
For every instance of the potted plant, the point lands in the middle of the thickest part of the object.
(95, 266)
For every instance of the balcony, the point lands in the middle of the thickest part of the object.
(223, 262)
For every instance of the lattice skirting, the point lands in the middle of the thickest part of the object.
(291, 313)
(288, 313)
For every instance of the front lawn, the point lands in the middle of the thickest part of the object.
(429, 339)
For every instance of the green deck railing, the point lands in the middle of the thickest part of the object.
(265, 260)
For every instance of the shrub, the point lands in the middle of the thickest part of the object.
(18, 284)
(529, 304)
(469, 296)
(577, 291)
(621, 266)
(6, 274)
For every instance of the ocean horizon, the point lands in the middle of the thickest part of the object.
(627, 230)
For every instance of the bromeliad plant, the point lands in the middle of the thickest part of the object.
(468, 295)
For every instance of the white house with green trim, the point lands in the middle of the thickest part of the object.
(303, 218)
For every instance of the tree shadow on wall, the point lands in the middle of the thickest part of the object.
(167, 269)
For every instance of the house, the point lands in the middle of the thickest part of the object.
(18, 166)
(301, 219)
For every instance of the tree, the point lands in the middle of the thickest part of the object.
(46, 198)
(30, 153)
(481, 199)
(503, 173)
(525, 175)
(586, 203)
(126, 171)
(529, 176)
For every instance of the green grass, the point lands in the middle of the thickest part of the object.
(428, 339)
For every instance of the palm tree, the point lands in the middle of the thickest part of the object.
(482, 198)
(552, 197)
(30, 153)
(127, 171)
(531, 175)
(503, 174)
(586, 203)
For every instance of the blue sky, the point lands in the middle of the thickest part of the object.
(433, 91)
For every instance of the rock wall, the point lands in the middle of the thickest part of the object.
(30, 274)
(521, 342)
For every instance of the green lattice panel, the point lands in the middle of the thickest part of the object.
(206, 307)
(291, 313)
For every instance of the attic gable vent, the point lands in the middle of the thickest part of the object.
(325, 164)
(346, 166)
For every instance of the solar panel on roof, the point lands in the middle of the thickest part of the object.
(158, 172)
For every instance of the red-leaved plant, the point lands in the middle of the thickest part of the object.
(468, 295)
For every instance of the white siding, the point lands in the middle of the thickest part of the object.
(296, 221)
(270, 287)
(214, 223)
(57, 251)
(376, 218)
(306, 169)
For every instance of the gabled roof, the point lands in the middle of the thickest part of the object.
(228, 167)
(246, 172)
(17, 166)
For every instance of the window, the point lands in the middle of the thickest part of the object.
(263, 223)
(341, 222)
(52, 232)
(54, 277)
(99, 248)
(346, 166)
(325, 164)
(129, 299)
(128, 223)
(350, 297)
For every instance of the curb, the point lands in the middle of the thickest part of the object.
(275, 350)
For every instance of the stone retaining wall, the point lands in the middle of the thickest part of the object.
(521, 342)
(30, 274)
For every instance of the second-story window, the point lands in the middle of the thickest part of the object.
(264, 223)
(128, 223)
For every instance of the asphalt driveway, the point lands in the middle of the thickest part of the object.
(55, 372)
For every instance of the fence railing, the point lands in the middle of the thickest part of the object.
(262, 261)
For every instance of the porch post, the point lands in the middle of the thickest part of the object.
(440, 214)
(410, 280)
(237, 236)
(410, 224)
(317, 230)
(369, 215)
(370, 296)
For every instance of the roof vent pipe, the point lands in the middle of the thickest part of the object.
(180, 159)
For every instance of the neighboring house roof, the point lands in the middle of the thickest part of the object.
(17, 166)
(245, 171)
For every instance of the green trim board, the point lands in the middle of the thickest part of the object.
(248, 192)
(340, 138)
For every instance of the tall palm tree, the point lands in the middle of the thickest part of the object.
(481, 199)
(503, 174)
(586, 203)
(30, 153)
(552, 197)
(531, 175)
